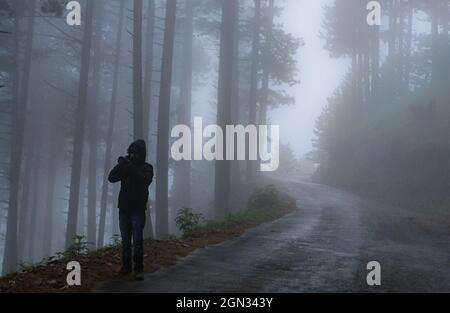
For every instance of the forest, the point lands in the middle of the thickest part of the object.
(74, 97)
(351, 119)
(384, 133)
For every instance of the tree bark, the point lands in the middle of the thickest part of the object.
(409, 37)
(222, 167)
(148, 77)
(235, 171)
(138, 110)
(93, 127)
(251, 165)
(25, 95)
(77, 152)
(110, 132)
(162, 223)
(148, 95)
(25, 218)
(48, 213)
(434, 41)
(266, 63)
(18, 116)
(182, 169)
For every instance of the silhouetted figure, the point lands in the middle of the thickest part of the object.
(135, 176)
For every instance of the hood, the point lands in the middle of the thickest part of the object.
(141, 148)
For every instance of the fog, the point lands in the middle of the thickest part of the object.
(320, 74)
(360, 107)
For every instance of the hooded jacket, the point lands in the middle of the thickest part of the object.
(135, 178)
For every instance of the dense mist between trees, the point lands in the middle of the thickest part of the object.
(73, 97)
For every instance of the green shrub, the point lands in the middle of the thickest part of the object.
(116, 240)
(263, 198)
(168, 238)
(79, 247)
(187, 221)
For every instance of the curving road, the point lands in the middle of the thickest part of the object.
(323, 246)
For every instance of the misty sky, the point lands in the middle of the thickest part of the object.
(319, 74)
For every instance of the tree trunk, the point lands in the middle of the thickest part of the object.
(251, 165)
(82, 206)
(434, 41)
(375, 64)
(235, 171)
(18, 115)
(401, 43)
(34, 209)
(77, 152)
(392, 29)
(109, 138)
(93, 128)
(48, 213)
(225, 88)
(25, 218)
(138, 116)
(409, 37)
(182, 169)
(266, 63)
(148, 77)
(24, 207)
(148, 95)
(162, 223)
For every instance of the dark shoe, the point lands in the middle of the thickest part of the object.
(139, 276)
(124, 272)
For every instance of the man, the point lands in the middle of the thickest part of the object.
(135, 176)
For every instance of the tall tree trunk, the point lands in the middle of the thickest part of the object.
(82, 206)
(93, 127)
(375, 64)
(162, 223)
(392, 29)
(355, 76)
(18, 115)
(138, 116)
(409, 37)
(225, 88)
(266, 63)
(148, 95)
(24, 209)
(434, 41)
(25, 218)
(367, 83)
(401, 44)
(182, 169)
(235, 171)
(148, 77)
(109, 138)
(251, 165)
(32, 238)
(77, 152)
(49, 203)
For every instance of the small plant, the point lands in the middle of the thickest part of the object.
(263, 198)
(187, 221)
(115, 239)
(79, 247)
(169, 238)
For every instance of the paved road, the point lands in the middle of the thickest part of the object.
(323, 246)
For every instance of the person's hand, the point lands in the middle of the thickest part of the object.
(122, 160)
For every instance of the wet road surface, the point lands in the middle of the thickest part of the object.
(323, 246)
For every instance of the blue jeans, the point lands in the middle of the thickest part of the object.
(132, 228)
